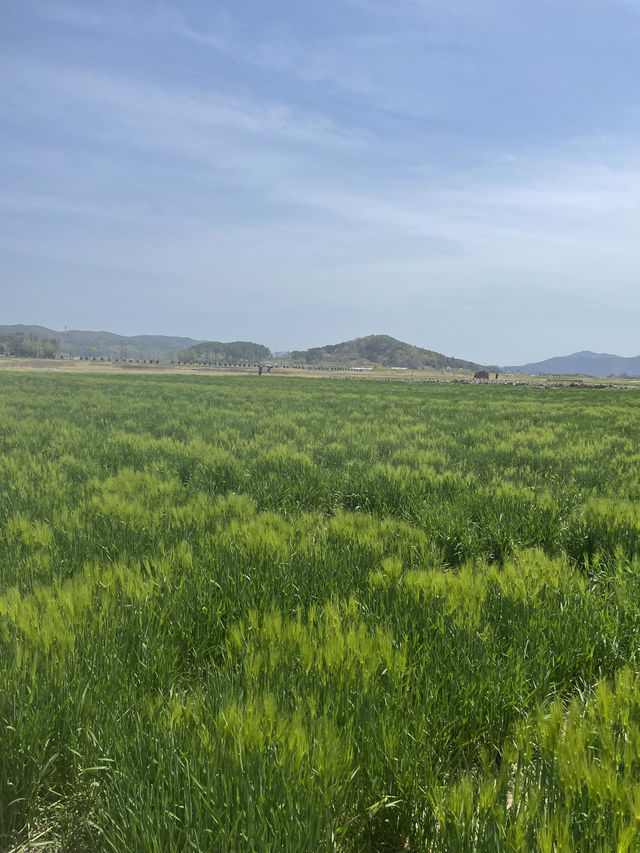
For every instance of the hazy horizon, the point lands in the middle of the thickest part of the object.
(277, 350)
(460, 176)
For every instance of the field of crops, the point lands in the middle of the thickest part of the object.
(243, 614)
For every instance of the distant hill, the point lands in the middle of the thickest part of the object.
(33, 341)
(377, 349)
(76, 343)
(26, 345)
(586, 363)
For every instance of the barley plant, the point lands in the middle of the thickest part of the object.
(313, 615)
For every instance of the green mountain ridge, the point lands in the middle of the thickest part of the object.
(81, 343)
(29, 341)
(379, 349)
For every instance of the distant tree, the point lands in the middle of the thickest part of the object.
(49, 348)
(28, 346)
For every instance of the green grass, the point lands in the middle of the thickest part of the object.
(292, 615)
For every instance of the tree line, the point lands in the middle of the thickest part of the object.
(28, 346)
(213, 352)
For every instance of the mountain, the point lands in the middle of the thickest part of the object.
(105, 344)
(377, 349)
(32, 341)
(28, 345)
(587, 363)
(76, 343)
(109, 345)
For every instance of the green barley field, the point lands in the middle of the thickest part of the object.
(268, 614)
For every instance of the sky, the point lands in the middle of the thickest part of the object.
(463, 175)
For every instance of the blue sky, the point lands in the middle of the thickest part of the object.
(460, 174)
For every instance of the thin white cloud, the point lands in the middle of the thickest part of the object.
(176, 110)
(371, 63)
(76, 15)
(548, 203)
